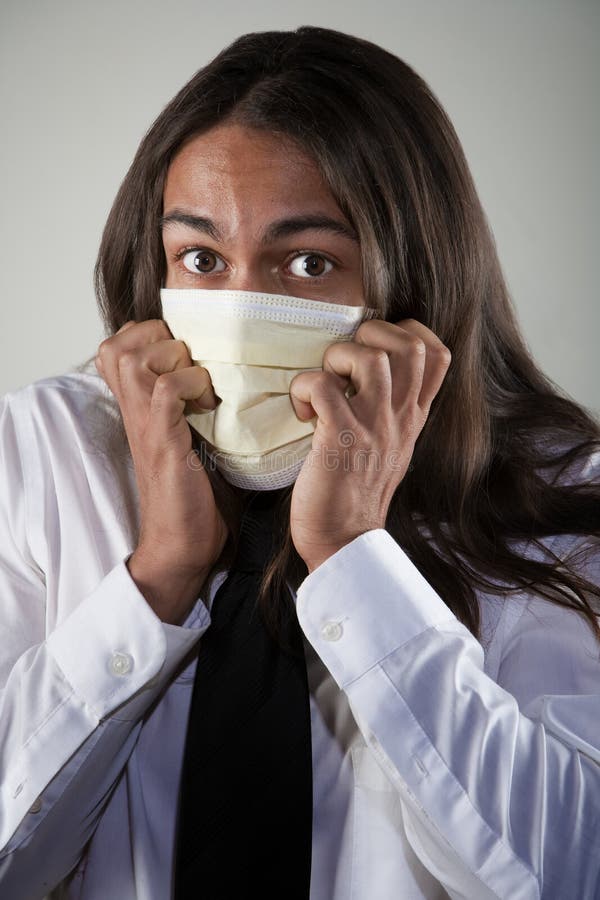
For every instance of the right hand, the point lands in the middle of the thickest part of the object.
(182, 532)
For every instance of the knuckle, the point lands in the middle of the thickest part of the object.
(162, 385)
(367, 330)
(322, 380)
(126, 361)
(160, 327)
(444, 355)
(183, 350)
(105, 350)
(125, 326)
(326, 384)
(379, 357)
(417, 345)
(330, 351)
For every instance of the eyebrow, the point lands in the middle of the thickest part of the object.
(279, 229)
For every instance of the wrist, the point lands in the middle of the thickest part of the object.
(316, 561)
(170, 590)
(324, 552)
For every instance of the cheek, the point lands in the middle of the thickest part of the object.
(354, 294)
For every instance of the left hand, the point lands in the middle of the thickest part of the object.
(363, 444)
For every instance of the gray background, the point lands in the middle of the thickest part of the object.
(80, 82)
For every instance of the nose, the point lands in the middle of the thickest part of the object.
(253, 278)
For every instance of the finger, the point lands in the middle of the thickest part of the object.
(140, 366)
(366, 369)
(155, 363)
(437, 361)
(321, 394)
(134, 370)
(98, 359)
(128, 337)
(407, 358)
(172, 392)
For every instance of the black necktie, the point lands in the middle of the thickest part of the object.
(245, 816)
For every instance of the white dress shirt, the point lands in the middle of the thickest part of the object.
(442, 766)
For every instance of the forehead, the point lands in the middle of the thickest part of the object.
(232, 163)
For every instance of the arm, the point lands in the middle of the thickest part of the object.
(497, 801)
(71, 702)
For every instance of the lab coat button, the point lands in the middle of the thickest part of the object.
(36, 806)
(332, 631)
(121, 663)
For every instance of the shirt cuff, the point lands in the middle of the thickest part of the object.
(363, 603)
(113, 643)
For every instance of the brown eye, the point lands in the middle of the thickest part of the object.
(310, 265)
(203, 262)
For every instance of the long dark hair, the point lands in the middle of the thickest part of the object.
(495, 469)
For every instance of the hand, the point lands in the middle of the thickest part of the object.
(363, 444)
(182, 532)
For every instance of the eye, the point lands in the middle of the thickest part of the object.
(202, 261)
(310, 265)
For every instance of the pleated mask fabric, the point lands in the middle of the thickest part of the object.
(253, 345)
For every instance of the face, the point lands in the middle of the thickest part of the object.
(246, 210)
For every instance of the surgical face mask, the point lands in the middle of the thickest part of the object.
(252, 346)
